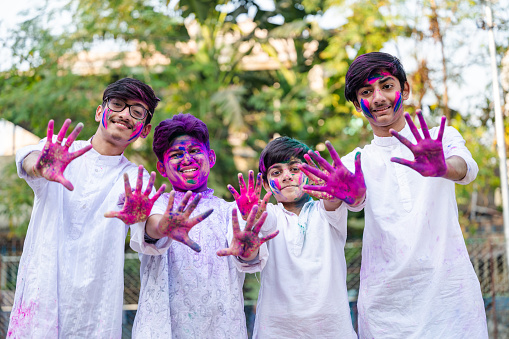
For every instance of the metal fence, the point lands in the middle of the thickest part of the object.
(488, 259)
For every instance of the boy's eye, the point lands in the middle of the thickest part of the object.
(175, 155)
(194, 151)
(365, 92)
(275, 173)
(295, 169)
(388, 86)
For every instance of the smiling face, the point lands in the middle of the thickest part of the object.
(285, 181)
(119, 128)
(380, 99)
(187, 164)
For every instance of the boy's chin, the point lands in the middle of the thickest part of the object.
(292, 197)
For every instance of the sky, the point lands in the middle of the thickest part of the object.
(477, 78)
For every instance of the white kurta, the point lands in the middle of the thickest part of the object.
(303, 284)
(416, 277)
(185, 294)
(70, 279)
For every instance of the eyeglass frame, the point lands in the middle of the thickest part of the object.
(129, 106)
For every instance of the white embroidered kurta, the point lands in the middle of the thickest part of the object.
(185, 294)
(303, 284)
(416, 277)
(70, 278)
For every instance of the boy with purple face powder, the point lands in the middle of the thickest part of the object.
(190, 291)
(417, 280)
(70, 280)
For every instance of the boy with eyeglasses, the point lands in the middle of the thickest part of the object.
(70, 278)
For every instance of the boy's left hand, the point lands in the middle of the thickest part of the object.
(250, 196)
(339, 181)
(137, 205)
(246, 243)
(428, 153)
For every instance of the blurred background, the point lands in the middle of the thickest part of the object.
(252, 71)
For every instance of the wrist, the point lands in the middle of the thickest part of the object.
(35, 172)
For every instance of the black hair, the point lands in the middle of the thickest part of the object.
(281, 150)
(132, 89)
(365, 65)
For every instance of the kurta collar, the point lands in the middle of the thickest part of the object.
(310, 200)
(391, 141)
(209, 192)
(107, 160)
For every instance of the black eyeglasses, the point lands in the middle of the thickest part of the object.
(137, 111)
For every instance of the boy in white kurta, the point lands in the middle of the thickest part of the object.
(188, 292)
(416, 277)
(70, 278)
(303, 285)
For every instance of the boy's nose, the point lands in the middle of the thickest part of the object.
(186, 157)
(378, 96)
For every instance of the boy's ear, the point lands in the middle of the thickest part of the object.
(146, 131)
(212, 158)
(161, 169)
(406, 91)
(98, 113)
(357, 106)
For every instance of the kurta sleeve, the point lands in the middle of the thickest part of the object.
(138, 239)
(336, 218)
(454, 144)
(36, 183)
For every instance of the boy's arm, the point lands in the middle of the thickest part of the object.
(456, 168)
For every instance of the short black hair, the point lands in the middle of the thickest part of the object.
(281, 150)
(178, 125)
(365, 65)
(132, 89)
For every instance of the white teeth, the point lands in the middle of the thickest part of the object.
(189, 170)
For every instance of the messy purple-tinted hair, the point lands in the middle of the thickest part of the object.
(180, 124)
(281, 150)
(132, 89)
(366, 65)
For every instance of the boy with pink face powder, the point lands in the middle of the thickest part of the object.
(417, 280)
(192, 291)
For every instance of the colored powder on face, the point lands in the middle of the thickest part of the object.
(399, 101)
(137, 131)
(372, 79)
(106, 115)
(365, 108)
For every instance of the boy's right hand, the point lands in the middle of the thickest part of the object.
(55, 157)
(339, 181)
(250, 196)
(245, 244)
(177, 224)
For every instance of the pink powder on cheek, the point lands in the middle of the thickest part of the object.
(137, 130)
(105, 117)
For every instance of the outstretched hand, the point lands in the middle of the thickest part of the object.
(316, 181)
(177, 224)
(250, 196)
(55, 157)
(245, 243)
(339, 181)
(428, 153)
(137, 205)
